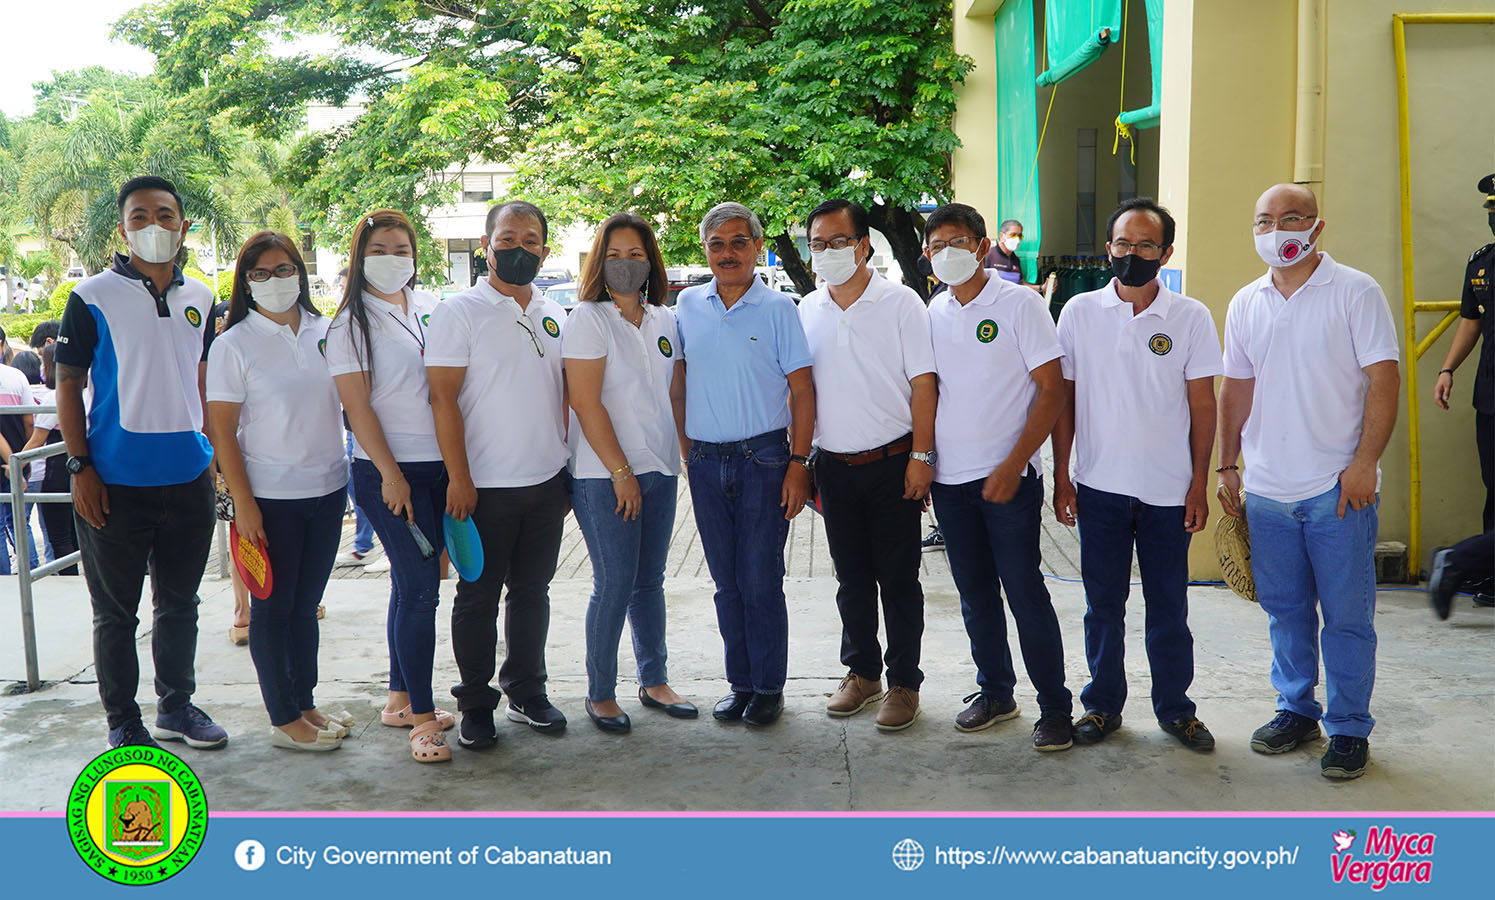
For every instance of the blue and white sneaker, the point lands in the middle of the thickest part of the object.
(191, 726)
(131, 734)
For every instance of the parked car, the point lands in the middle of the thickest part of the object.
(548, 277)
(563, 294)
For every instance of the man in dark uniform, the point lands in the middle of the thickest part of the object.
(1469, 563)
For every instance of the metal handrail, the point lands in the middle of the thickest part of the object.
(25, 575)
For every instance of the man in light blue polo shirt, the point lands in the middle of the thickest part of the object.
(748, 381)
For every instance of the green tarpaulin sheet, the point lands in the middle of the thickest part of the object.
(1076, 33)
(1147, 116)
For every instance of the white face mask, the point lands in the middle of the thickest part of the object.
(835, 266)
(388, 273)
(954, 266)
(1010, 244)
(276, 295)
(1280, 249)
(153, 243)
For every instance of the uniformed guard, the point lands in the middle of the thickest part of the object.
(1450, 568)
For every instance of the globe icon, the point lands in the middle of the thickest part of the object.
(908, 854)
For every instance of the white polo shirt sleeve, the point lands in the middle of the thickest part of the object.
(918, 344)
(1372, 331)
(449, 337)
(585, 335)
(225, 380)
(1204, 348)
(1037, 338)
(1237, 337)
(341, 358)
(1065, 335)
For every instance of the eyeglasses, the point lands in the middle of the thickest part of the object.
(1145, 249)
(738, 244)
(960, 243)
(523, 322)
(836, 243)
(284, 270)
(1264, 224)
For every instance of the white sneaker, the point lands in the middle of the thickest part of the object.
(379, 565)
(352, 558)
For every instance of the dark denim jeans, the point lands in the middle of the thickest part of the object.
(302, 538)
(1109, 526)
(414, 582)
(173, 523)
(363, 530)
(520, 529)
(736, 499)
(627, 578)
(991, 546)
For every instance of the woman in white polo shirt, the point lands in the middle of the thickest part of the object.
(627, 389)
(274, 423)
(376, 354)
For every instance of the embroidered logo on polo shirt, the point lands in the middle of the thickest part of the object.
(665, 348)
(322, 347)
(425, 319)
(551, 328)
(986, 331)
(1160, 344)
(194, 318)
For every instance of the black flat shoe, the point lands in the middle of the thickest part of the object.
(731, 707)
(618, 724)
(763, 709)
(682, 710)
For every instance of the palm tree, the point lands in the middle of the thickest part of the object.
(12, 232)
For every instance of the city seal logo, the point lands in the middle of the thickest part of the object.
(551, 328)
(137, 815)
(1160, 344)
(986, 331)
(194, 318)
(665, 348)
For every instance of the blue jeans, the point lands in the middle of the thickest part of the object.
(627, 578)
(736, 498)
(991, 546)
(363, 529)
(302, 538)
(8, 525)
(1304, 557)
(414, 582)
(1109, 526)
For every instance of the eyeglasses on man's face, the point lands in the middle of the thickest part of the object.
(1144, 249)
(717, 246)
(839, 242)
(1292, 222)
(284, 270)
(961, 243)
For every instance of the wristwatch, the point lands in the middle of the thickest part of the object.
(76, 464)
(806, 461)
(925, 458)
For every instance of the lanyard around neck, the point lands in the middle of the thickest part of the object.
(420, 339)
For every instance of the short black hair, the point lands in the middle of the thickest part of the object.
(29, 365)
(148, 183)
(44, 330)
(1008, 224)
(1143, 204)
(956, 214)
(840, 204)
(520, 206)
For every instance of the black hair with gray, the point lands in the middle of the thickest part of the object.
(722, 213)
(523, 208)
(857, 211)
(956, 214)
(1143, 204)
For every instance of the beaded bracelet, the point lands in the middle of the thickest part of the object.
(625, 471)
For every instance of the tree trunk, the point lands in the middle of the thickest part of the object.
(794, 264)
(902, 228)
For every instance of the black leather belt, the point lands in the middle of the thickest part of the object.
(743, 447)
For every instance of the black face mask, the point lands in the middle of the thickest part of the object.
(515, 265)
(1133, 270)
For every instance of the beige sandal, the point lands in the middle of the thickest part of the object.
(405, 718)
(427, 745)
(238, 634)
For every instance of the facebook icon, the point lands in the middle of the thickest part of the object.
(250, 855)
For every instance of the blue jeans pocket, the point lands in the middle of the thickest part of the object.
(775, 457)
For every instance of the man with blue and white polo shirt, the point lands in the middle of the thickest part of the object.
(749, 381)
(1139, 369)
(494, 365)
(139, 461)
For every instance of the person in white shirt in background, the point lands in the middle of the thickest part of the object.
(1309, 401)
(626, 383)
(57, 518)
(376, 349)
(498, 397)
(274, 419)
(874, 379)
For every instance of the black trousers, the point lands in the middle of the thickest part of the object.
(520, 530)
(58, 517)
(173, 525)
(873, 535)
(1484, 438)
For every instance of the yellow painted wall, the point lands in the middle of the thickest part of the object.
(973, 166)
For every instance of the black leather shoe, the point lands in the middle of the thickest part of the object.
(683, 710)
(763, 709)
(1191, 733)
(1093, 727)
(618, 724)
(731, 707)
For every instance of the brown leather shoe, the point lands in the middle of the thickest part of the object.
(853, 695)
(899, 709)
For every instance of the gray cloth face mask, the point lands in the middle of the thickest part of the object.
(625, 276)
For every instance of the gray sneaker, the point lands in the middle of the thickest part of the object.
(1286, 731)
(984, 712)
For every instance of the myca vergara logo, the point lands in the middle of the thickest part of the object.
(137, 815)
(1388, 858)
(986, 331)
(194, 318)
(1160, 344)
(551, 328)
(665, 348)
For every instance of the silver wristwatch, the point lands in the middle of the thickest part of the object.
(925, 458)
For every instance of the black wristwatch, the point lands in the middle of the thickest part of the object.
(76, 464)
(806, 461)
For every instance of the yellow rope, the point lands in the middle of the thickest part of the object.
(1122, 131)
(1033, 170)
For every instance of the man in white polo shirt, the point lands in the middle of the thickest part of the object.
(874, 380)
(494, 364)
(1310, 396)
(999, 393)
(1139, 371)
